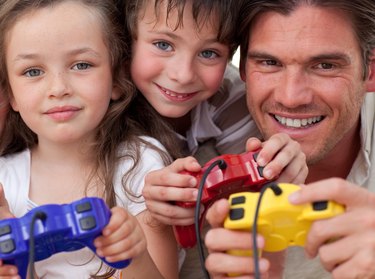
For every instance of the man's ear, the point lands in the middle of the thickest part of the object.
(370, 85)
(243, 69)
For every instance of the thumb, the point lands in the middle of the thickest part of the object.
(217, 213)
(4, 206)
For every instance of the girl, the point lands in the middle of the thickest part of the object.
(69, 133)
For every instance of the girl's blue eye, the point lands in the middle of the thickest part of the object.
(81, 66)
(208, 54)
(33, 73)
(163, 46)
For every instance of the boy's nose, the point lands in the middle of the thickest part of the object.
(182, 70)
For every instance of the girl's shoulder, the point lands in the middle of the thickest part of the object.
(15, 161)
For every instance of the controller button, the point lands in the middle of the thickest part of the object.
(83, 207)
(7, 246)
(236, 213)
(320, 205)
(260, 171)
(5, 230)
(87, 223)
(238, 200)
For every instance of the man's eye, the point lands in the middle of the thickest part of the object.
(270, 62)
(163, 46)
(33, 73)
(81, 66)
(326, 66)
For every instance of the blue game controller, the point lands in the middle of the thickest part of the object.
(57, 228)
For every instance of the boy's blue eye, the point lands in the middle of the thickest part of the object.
(33, 73)
(163, 46)
(81, 66)
(208, 54)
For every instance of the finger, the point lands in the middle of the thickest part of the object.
(295, 172)
(4, 206)
(171, 214)
(217, 213)
(253, 144)
(169, 193)
(220, 239)
(119, 218)
(170, 175)
(361, 265)
(273, 146)
(222, 263)
(340, 229)
(334, 189)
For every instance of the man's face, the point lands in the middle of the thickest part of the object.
(304, 77)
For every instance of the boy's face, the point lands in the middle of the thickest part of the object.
(176, 69)
(304, 77)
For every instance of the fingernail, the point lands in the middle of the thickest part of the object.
(294, 197)
(263, 265)
(192, 182)
(195, 194)
(261, 162)
(99, 253)
(267, 173)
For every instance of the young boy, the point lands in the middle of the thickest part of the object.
(179, 63)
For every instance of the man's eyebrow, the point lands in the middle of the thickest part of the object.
(332, 56)
(260, 55)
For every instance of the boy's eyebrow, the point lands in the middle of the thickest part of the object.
(174, 36)
(30, 56)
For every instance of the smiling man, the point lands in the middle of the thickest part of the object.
(308, 67)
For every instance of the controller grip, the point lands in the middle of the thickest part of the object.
(185, 235)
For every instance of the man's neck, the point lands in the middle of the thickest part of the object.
(339, 160)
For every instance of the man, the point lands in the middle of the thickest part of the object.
(308, 66)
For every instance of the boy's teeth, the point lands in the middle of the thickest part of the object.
(297, 123)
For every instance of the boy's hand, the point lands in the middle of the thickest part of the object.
(281, 157)
(167, 185)
(122, 238)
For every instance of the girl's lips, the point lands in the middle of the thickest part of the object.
(62, 113)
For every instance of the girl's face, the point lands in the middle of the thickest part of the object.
(176, 69)
(59, 71)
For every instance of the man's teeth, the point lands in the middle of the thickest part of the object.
(298, 123)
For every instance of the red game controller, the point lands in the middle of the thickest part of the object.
(240, 173)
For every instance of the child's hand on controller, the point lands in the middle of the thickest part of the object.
(122, 238)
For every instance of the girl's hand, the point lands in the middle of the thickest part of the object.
(122, 238)
(8, 271)
(281, 157)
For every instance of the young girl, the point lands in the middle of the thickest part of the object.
(179, 63)
(69, 133)
(3, 109)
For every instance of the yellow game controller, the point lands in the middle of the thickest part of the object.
(279, 222)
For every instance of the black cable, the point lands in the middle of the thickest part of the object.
(222, 165)
(39, 215)
(277, 191)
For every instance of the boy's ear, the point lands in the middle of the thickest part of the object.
(116, 93)
(370, 85)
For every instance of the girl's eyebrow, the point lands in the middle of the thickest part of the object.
(30, 56)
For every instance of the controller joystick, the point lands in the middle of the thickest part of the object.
(281, 223)
(239, 172)
(59, 228)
